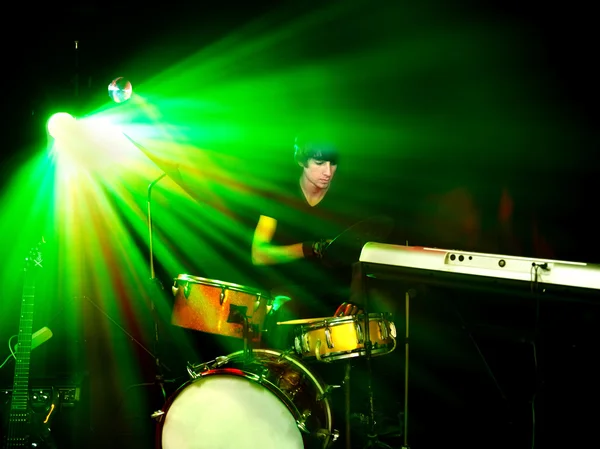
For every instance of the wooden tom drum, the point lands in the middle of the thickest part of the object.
(218, 307)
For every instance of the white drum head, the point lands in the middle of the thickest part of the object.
(224, 411)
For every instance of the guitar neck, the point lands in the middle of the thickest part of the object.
(20, 395)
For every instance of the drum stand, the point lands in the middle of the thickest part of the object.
(373, 438)
(237, 314)
(348, 430)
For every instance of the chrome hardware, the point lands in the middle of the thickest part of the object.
(157, 414)
(298, 344)
(393, 329)
(302, 421)
(195, 371)
(328, 338)
(306, 346)
(383, 330)
(324, 434)
(256, 304)
(327, 392)
(360, 336)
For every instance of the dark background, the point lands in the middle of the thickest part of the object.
(475, 391)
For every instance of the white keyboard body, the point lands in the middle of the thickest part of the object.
(542, 271)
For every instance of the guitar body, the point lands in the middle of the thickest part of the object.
(30, 428)
(26, 425)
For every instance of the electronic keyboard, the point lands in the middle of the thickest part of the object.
(384, 257)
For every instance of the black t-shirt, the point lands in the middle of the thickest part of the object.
(318, 287)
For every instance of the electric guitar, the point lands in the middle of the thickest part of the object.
(28, 426)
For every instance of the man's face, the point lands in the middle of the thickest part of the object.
(319, 172)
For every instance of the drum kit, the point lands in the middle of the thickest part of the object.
(271, 398)
(261, 397)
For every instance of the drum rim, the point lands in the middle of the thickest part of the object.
(170, 400)
(219, 283)
(332, 321)
(318, 383)
(298, 362)
(341, 355)
(292, 358)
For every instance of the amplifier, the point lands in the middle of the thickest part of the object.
(68, 396)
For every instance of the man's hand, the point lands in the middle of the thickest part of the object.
(347, 309)
(319, 247)
(315, 249)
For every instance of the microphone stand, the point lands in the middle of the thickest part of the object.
(159, 376)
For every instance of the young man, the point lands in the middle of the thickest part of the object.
(297, 247)
(291, 239)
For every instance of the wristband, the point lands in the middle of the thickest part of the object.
(307, 250)
(314, 249)
(318, 248)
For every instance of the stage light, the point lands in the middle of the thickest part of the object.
(120, 90)
(59, 124)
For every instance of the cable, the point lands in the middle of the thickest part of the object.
(12, 352)
(10, 347)
(5, 361)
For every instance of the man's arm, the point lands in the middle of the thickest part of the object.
(265, 253)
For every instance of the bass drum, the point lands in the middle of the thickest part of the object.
(263, 399)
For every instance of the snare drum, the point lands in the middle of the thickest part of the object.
(328, 339)
(264, 399)
(218, 307)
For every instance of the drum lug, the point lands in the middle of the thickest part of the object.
(305, 343)
(302, 421)
(195, 370)
(257, 305)
(360, 337)
(393, 332)
(222, 296)
(335, 434)
(383, 330)
(186, 289)
(219, 361)
(284, 355)
(327, 392)
(157, 414)
(327, 436)
(328, 338)
(298, 344)
(261, 377)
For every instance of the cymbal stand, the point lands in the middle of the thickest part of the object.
(159, 376)
(373, 438)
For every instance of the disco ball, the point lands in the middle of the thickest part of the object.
(120, 90)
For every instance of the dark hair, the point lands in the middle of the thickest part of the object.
(319, 149)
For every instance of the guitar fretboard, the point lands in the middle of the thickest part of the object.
(20, 396)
